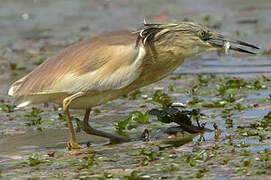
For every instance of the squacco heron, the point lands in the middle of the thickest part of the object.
(92, 72)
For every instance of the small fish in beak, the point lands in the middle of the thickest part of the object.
(226, 46)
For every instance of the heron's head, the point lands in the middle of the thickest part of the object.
(187, 39)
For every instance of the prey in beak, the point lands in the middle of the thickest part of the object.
(227, 44)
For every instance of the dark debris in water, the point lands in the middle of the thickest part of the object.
(183, 118)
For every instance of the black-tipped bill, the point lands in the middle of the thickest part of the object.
(236, 45)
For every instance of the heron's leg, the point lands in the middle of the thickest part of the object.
(89, 130)
(66, 103)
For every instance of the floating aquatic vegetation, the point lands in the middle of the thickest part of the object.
(33, 160)
(88, 161)
(7, 108)
(134, 117)
(161, 99)
(34, 117)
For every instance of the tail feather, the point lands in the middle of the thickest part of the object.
(14, 90)
(11, 91)
(23, 104)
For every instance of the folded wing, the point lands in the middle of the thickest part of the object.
(109, 61)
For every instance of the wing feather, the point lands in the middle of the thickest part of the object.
(121, 69)
(108, 61)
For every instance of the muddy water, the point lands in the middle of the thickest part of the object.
(31, 29)
(36, 141)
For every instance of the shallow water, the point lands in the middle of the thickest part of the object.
(31, 30)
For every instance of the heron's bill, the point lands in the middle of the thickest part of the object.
(236, 45)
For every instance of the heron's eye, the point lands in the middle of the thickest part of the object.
(203, 35)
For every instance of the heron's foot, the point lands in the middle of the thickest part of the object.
(74, 145)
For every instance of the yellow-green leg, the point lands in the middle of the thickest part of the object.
(66, 103)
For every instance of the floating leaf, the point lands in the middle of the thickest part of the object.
(7, 108)
(161, 99)
(33, 160)
(139, 117)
